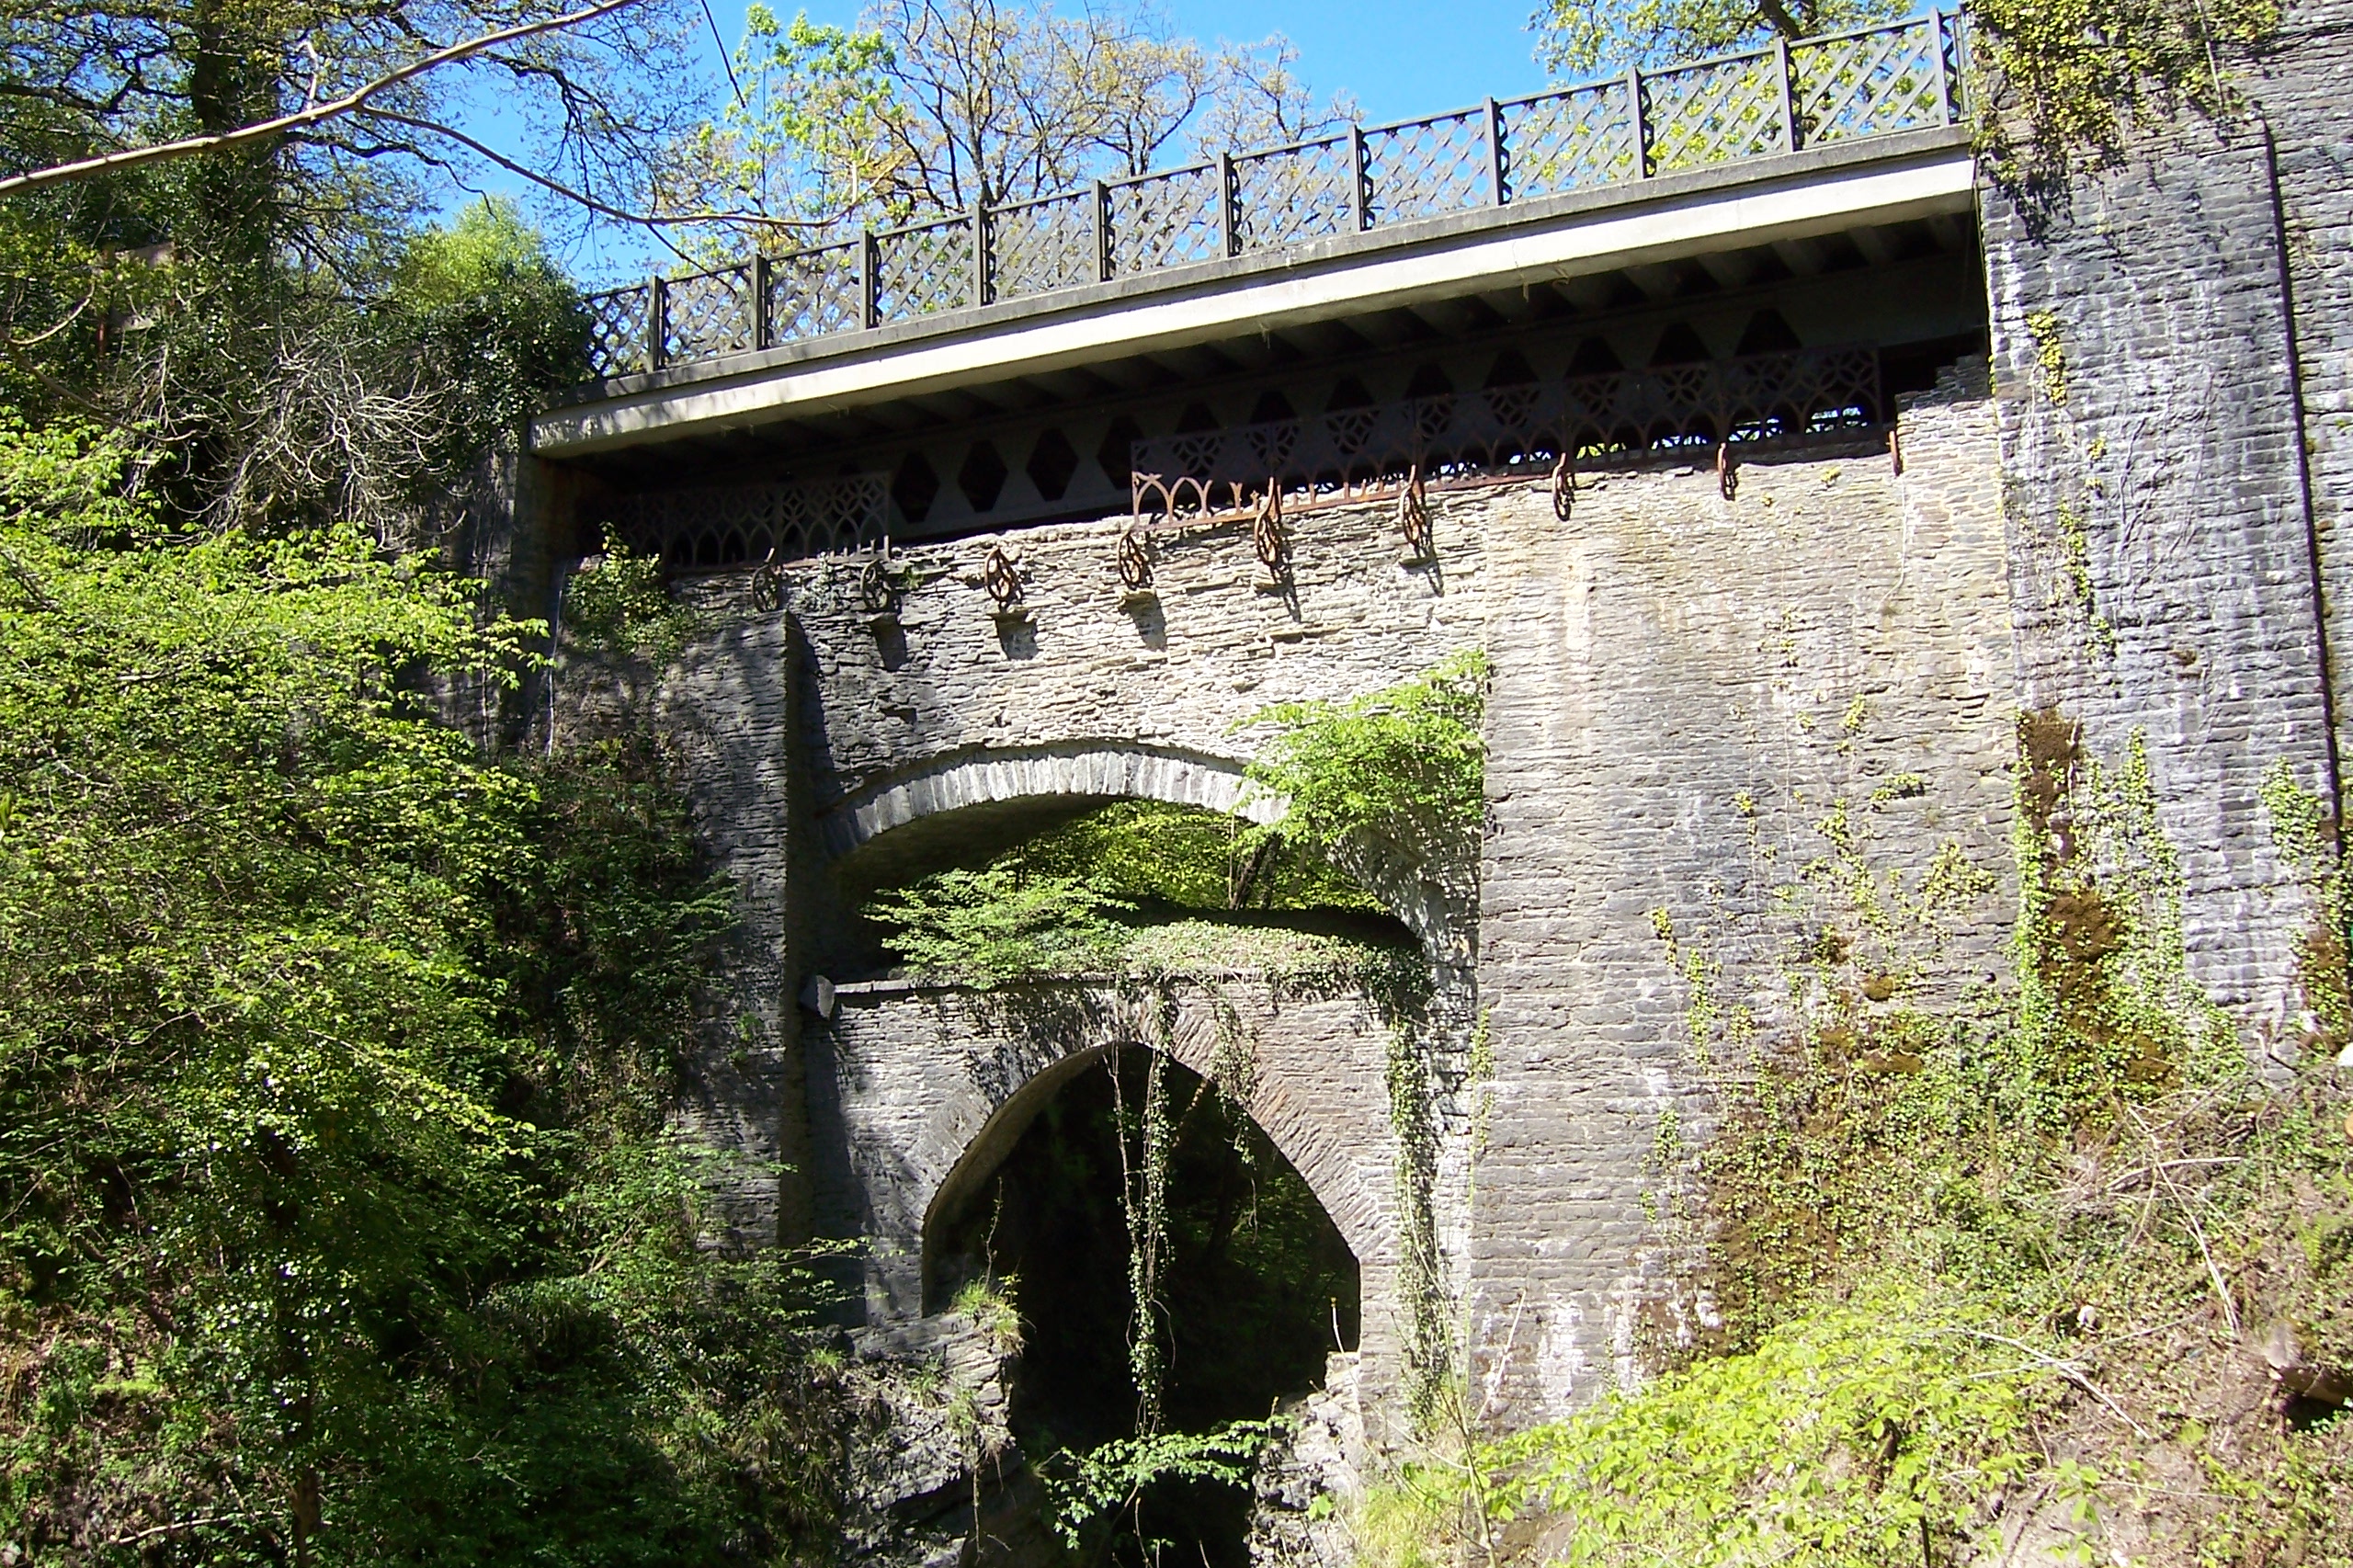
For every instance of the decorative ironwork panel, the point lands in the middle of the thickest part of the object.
(814, 292)
(1165, 221)
(1713, 112)
(711, 531)
(1040, 246)
(834, 517)
(1428, 167)
(1294, 194)
(1867, 84)
(924, 270)
(1568, 140)
(617, 331)
(1480, 437)
(707, 314)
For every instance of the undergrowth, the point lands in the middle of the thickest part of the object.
(2055, 1279)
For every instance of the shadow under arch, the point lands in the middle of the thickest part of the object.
(1249, 1254)
(966, 805)
(986, 1153)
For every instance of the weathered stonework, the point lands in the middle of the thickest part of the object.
(1661, 655)
(1686, 686)
(1721, 724)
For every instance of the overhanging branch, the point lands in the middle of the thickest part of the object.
(354, 102)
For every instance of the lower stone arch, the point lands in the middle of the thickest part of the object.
(932, 1084)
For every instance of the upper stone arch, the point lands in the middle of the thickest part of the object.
(1074, 770)
(1003, 793)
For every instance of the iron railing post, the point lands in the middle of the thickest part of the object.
(657, 322)
(1634, 120)
(980, 254)
(1944, 77)
(1360, 181)
(763, 329)
(1228, 238)
(1788, 94)
(869, 284)
(1102, 233)
(1498, 188)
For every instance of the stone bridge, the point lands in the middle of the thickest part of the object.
(1746, 674)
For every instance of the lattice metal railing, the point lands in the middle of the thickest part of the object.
(1431, 166)
(925, 270)
(1168, 220)
(812, 293)
(1038, 247)
(1505, 433)
(1876, 81)
(1294, 196)
(709, 530)
(1571, 141)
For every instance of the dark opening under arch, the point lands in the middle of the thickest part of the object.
(1258, 1291)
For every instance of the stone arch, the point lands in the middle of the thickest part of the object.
(1074, 770)
(860, 831)
(1317, 1107)
(924, 1088)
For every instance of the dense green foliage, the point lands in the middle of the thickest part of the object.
(1114, 1476)
(1137, 888)
(1908, 1427)
(1579, 38)
(1404, 766)
(334, 1057)
(994, 925)
(1164, 857)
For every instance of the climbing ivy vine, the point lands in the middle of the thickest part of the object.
(2076, 74)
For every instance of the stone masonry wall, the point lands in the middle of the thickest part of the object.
(1692, 694)
(2300, 89)
(2161, 553)
(1686, 686)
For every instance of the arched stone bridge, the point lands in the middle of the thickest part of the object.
(1729, 691)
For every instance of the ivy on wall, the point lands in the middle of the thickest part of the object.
(2075, 76)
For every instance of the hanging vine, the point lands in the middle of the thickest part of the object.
(1143, 1200)
(1428, 1353)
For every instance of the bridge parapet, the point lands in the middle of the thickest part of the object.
(1874, 82)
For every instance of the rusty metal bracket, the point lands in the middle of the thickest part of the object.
(876, 589)
(1414, 517)
(1564, 484)
(768, 585)
(1134, 560)
(1002, 578)
(1267, 528)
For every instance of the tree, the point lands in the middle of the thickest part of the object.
(1584, 38)
(212, 200)
(342, 1224)
(932, 105)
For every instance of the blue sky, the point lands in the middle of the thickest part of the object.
(1400, 58)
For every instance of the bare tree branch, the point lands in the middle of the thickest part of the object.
(350, 103)
(601, 208)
